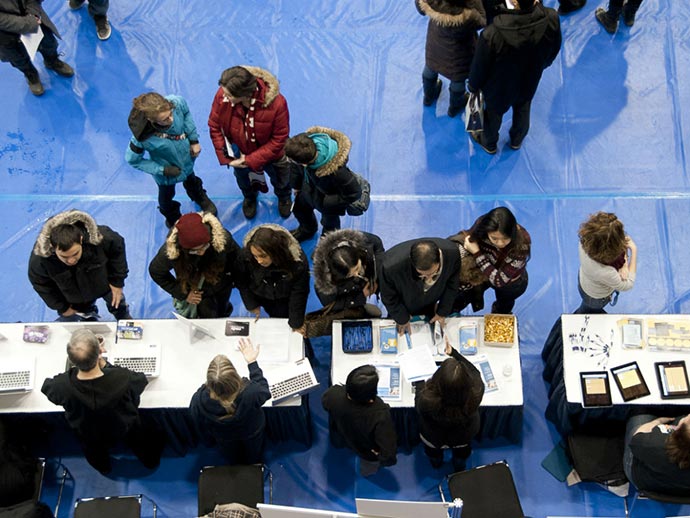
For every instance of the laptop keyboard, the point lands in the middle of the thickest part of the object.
(14, 380)
(291, 386)
(147, 365)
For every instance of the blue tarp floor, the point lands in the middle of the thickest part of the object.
(608, 132)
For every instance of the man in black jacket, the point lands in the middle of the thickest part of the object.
(420, 277)
(74, 262)
(101, 403)
(24, 18)
(358, 419)
(511, 56)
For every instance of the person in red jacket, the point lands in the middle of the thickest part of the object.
(249, 125)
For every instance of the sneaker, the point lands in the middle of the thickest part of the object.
(76, 4)
(603, 18)
(301, 235)
(102, 27)
(249, 208)
(628, 16)
(284, 207)
(35, 84)
(431, 99)
(476, 136)
(60, 67)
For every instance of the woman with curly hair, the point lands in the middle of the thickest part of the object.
(605, 266)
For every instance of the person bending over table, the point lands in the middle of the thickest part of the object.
(227, 408)
(202, 254)
(273, 273)
(657, 454)
(501, 249)
(448, 409)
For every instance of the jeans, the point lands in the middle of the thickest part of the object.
(279, 174)
(90, 310)
(15, 53)
(518, 130)
(592, 305)
(98, 7)
(166, 194)
(303, 210)
(455, 86)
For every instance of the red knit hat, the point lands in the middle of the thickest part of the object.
(191, 231)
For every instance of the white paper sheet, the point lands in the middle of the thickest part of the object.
(31, 41)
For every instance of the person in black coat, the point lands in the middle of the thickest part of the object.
(321, 179)
(450, 40)
(358, 419)
(420, 277)
(101, 403)
(227, 408)
(74, 262)
(25, 17)
(346, 269)
(448, 409)
(508, 63)
(273, 273)
(203, 255)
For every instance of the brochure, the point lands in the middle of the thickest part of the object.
(484, 367)
(389, 382)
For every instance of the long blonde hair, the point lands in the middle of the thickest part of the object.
(223, 383)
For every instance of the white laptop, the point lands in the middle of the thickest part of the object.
(283, 511)
(138, 357)
(17, 374)
(400, 509)
(196, 330)
(291, 380)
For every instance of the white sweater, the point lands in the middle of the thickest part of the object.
(599, 280)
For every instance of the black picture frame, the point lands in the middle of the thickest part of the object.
(660, 368)
(635, 391)
(591, 399)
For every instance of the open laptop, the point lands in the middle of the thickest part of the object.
(17, 374)
(144, 358)
(400, 509)
(290, 380)
(283, 511)
(196, 330)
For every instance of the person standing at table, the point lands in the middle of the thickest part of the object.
(605, 266)
(202, 255)
(101, 404)
(273, 273)
(448, 409)
(74, 262)
(227, 408)
(657, 454)
(358, 419)
(420, 277)
(164, 127)
(249, 125)
(501, 249)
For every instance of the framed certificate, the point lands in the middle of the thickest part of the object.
(596, 390)
(673, 379)
(630, 382)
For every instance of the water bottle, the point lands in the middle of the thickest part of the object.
(455, 508)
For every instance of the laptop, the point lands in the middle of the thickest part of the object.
(17, 374)
(290, 380)
(283, 511)
(400, 508)
(138, 358)
(196, 330)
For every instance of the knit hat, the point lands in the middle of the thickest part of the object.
(191, 231)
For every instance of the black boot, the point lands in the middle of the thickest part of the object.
(629, 14)
(458, 100)
(34, 81)
(59, 67)
(196, 192)
(432, 89)
(610, 23)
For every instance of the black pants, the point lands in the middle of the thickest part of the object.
(518, 130)
(216, 305)
(279, 308)
(304, 212)
(460, 454)
(244, 451)
(166, 194)
(15, 52)
(616, 6)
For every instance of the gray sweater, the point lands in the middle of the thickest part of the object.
(600, 280)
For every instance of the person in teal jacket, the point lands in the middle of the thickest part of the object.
(164, 127)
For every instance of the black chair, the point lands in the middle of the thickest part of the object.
(487, 492)
(111, 507)
(233, 484)
(651, 495)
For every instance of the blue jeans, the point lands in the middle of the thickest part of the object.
(455, 86)
(98, 7)
(592, 305)
(166, 194)
(279, 174)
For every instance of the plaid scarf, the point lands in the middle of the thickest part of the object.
(249, 130)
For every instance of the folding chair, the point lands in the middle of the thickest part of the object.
(111, 507)
(233, 484)
(659, 497)
(487, 492)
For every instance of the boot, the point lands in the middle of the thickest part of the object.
(458, 100)
(34, 81)
(628, 15)
(609, 23)
(432, 89)
(206, 204)
(60, 67)
(103, 30)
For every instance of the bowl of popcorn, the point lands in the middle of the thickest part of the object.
(500, 330)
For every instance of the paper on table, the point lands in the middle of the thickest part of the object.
(274, 337)
(31, 41)
(417, 364)
(421, 336)
(389, 382)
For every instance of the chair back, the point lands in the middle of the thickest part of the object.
(242, 484)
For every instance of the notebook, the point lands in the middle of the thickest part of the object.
(17, 374)
(138, 358)
(290, 380)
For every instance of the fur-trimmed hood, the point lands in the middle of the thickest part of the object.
(272, 85)
(295, 248)
(340, 158)
(93, 236)
(447, 14)
(218, 240)
(322, 274)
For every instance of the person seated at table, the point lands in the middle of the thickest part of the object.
(605, 268)
(657, 454)
(420, 277)
(448, 409)
(227, 408)
(358, 419)
(202, 254)
(346, 268)
(501, 249)
(101, 404)
(273, 273)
